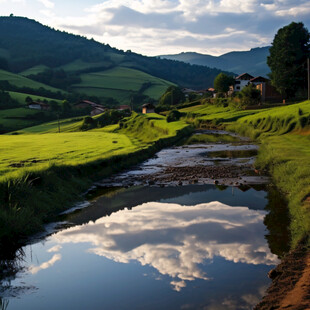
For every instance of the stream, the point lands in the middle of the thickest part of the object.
(194, 227)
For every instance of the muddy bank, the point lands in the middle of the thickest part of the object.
(208, 163)
(290, 288)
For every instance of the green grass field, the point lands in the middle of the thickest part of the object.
(21, 81)
(34, 70)
(119, 82)
(14, 119)
(23, 153)
(42, 145)
(21, 97)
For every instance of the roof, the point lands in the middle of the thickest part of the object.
(211, 89)
(259, 79)
(88, 102)
(42, 104)
(148, 105)
(244, 76)
(124, 107)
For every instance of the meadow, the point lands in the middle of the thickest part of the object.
(119, 82)
(21, 81)
(44, 172)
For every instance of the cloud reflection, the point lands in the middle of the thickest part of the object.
(45, 265)
(176, 239)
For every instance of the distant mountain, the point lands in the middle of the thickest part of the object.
(253, 61)
(27, 46)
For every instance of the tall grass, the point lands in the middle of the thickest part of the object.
(33, 190)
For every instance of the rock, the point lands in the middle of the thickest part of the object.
(273, 273)
(180, 183)
(151, 182)
(216, 182)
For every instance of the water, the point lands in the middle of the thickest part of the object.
(152, 247)
(194, 247)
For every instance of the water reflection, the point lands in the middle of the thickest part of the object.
(176, 240)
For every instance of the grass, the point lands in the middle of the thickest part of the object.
(211, 138)
(119, 82)
(20, 97)
(42, 174)
(15, 119)
(34, 70)
(37, 152)
(21, 81)
(284, 134)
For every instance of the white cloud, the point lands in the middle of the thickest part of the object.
(47, 3)
(176, 239)
(166, 26)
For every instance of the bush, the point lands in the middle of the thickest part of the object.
(174, 116)
(88, 123)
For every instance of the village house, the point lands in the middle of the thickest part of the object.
(241, 81)
(83, 104)
(268, 92)
(95, 107)
(148, 108)
(39, 106)
(97, 110)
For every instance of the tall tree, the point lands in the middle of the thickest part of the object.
(222, 82)
(288, 58)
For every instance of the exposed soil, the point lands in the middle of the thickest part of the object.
(290, 288)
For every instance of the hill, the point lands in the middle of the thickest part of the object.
(28, 47)
(253, 61)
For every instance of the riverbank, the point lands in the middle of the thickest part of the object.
(32, 195)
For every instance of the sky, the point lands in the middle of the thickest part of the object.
(157, 27)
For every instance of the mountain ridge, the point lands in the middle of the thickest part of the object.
(253, 61)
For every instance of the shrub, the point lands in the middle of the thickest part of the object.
(174, 116)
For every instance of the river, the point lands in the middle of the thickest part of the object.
(183, 230)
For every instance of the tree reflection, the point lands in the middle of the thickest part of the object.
(278, 222)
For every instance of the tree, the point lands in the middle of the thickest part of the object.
(250, 95)
(288, 57)
(222, 82)
(28, 99)
(172, 96)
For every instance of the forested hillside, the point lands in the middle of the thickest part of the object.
(26, 44)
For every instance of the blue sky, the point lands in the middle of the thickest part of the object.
(154, 27)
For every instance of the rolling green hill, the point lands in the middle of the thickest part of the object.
(21, 81)
(120, 82)
(254, 61)
(28, 45)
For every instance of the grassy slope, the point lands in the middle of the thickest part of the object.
(20, 97)
(42, 174)
(34, 70)
(14, 119)
(119, 82)
(21, 81)
(284, 134)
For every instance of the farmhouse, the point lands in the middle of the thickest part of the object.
(97, 110)
(148, 108)
(83, 104)
(39, 106)
(241, 81)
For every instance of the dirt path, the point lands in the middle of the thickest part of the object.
(290, 288)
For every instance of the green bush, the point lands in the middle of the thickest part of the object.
(174, 116)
